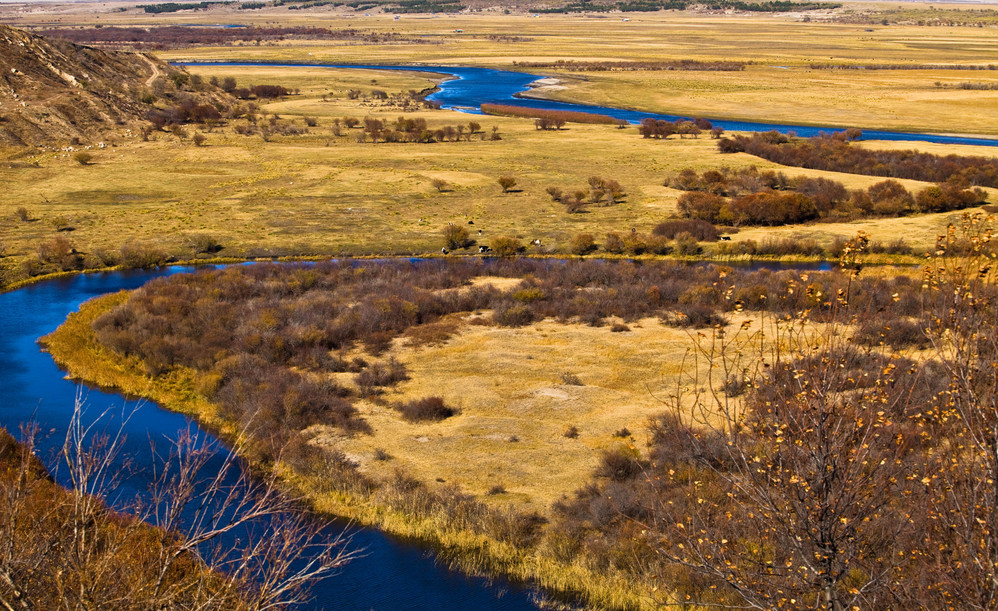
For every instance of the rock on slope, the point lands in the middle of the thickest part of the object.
(52, 91)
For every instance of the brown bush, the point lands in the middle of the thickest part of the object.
(426, 409)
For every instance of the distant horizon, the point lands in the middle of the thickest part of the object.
(930, 2)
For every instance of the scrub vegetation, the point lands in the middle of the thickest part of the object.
(756, 334)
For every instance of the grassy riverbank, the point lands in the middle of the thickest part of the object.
(74, 347)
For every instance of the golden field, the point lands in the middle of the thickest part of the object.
(317, 194)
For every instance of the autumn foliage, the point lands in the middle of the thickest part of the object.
(849, 466)
(835, 154)
(752, 197)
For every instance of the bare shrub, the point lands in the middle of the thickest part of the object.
(432, 409)
(618, 465)
(380, 375)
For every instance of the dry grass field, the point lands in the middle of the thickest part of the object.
(516, 406)
(780, 86)
(317, 193)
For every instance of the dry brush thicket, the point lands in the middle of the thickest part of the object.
(795, 475)
(834, 153)
(748, 196)
(849, 464)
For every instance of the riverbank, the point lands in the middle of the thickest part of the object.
(74, 347)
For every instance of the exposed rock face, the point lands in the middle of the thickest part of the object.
(52, 91)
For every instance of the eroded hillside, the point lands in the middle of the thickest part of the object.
(53, 91)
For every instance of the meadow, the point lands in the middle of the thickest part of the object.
(313, 193)
(545, 407)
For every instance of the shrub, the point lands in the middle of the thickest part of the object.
(456, 236)
(614, 243)
(380, 375)
(22, 213)
(142, 255)
(687, 246)
(506, 182)
(700, 206)
(898, 334)
(618, 466)
(570, 379)
(696, 315)
(505, 246)
(426, 409)
(582, 244)
(571, 432)
(202, 243)
(513, 315)
(61, 223)
(61, 253)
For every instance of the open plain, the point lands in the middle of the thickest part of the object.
(542, 405)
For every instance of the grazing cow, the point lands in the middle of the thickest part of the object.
(483, 249)
(443, 250)
(725, 238)
(471, 222)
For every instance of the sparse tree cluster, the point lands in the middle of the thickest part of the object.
(412, 130)
(601, 192)
(660, 128)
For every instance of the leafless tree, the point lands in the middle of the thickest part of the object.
(208, 535)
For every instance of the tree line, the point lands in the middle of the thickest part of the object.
(630, 6)
(700, 65)
(178, 35)
(406, 129)
(750, 197)
(835, 154)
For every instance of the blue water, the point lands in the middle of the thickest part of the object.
(472, 87)
(393, 575)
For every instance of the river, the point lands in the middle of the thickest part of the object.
(392, 574)
(469, 88)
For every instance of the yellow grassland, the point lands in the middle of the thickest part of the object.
(319, 194)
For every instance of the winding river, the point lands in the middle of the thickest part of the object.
(392, 575)
(469, 88)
